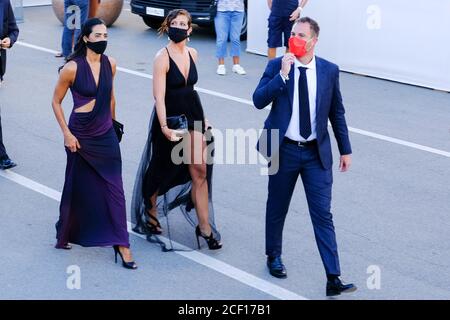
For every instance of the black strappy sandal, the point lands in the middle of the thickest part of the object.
(213, 244)
(154, 228)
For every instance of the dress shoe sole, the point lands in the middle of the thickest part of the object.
(64, 247)
(279, 276)
(8, 167)
(333, 293)
(350, 290)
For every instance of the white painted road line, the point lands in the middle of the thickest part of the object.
(30, 184)
(250, 103)
(32, 46)
(198, 257)
(231, 272)
(400, 142)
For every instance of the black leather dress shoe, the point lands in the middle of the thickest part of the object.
(276, 267)
(335, 287)
(7, 164)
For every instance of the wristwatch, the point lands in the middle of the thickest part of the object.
(285, 78)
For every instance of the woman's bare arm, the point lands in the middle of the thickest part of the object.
(113, 97)
(160, 68)
(66, 78)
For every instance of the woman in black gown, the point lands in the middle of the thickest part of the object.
(181, 179)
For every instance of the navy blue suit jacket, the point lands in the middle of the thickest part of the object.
(329, 106)
(8, 26)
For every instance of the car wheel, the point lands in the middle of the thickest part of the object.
(153, 23)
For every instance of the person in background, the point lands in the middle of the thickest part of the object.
(5, 161)
(283, 13)
(9, 33)
(93, 8)
(8, 36)
(228, 24)
(75, 14)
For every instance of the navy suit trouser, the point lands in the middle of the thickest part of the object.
(3, 154)
(317, 181)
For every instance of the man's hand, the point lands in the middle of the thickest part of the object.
(345, 163)
(6, 43)
(286, 64)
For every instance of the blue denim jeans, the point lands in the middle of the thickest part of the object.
(73, 20)
(228, 24)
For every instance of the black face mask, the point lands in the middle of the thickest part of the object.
(177, 35)
(98, 47)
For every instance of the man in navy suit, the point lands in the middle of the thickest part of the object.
(304, 92)
(8, 35)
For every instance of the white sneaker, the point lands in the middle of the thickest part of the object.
(221, 70)
(239, 70)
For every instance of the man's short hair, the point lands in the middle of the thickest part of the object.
(315, 29)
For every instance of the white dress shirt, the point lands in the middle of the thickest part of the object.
(293, 131)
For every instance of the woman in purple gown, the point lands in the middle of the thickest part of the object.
(92, 210)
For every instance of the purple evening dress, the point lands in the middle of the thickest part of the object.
(92, 210)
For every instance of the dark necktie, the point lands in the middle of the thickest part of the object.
(305, 119)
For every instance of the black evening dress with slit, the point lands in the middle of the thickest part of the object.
(158, 172)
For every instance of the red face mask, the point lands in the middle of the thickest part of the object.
(297, 46)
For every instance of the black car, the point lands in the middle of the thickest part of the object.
(202, 11)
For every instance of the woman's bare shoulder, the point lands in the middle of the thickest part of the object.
(69, 69)
(161, 60)
(194, 53)
(112, 61)
(161, 55)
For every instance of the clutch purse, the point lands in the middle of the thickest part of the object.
(118, 128)
(177, 122)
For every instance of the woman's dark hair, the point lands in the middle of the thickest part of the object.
(173, 14)
(80, 46)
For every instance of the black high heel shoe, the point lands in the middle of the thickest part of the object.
(153, 228)
(213, 244)
(127, 265)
